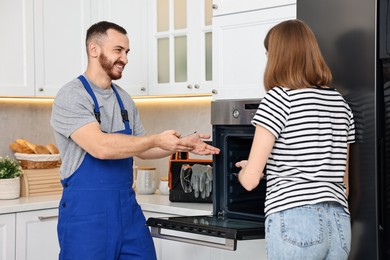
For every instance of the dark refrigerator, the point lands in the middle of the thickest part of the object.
(354, 36)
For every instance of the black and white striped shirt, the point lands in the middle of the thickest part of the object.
(312, 127)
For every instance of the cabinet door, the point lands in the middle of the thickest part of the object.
(7, 236)
(248, 249)
(223, 7)
(131, 15)
(36, 233)
(16, 48)
(180, 47)
(239, 52)
(59, 33)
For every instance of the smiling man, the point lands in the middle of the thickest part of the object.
(98, 132)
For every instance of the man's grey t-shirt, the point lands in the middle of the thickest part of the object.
(73, 108)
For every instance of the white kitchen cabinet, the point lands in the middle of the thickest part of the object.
(7, 236)
(223, 7)
(16, 48)
(239, 52)
(180, 51)
(36, 235)
(248, 250)
(59, 41)
(43, 45)
(131, 15)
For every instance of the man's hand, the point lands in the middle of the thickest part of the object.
(169, 140)
(199, 147)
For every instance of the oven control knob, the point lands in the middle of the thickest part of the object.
(236, 113)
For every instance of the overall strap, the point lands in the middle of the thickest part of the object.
(125, 116)
(90, 92)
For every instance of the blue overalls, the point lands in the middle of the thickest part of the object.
(99, 217)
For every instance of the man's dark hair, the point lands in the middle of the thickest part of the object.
(98, 30)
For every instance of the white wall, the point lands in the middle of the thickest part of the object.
(30, 120)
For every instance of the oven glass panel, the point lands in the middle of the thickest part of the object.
(233, 200)
(240, 200)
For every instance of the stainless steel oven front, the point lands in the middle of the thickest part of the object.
(237, 213)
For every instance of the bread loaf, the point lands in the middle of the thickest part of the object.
(21, 142)
(40, 149)
(52, 149)
(25, 143)
(18, 148)
(30, 145)
(24, 146)
(15, 147)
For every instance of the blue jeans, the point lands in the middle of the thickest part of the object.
(320, 231)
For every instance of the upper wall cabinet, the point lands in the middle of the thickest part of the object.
(59, 34)
(180, 51)
(223, 7)
(131, 15)
(239, 52)
(16, 47)
(43, 45)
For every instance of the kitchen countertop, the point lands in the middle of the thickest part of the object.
(154, 203)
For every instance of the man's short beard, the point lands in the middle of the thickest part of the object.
(108, 67)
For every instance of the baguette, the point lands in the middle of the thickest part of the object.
(21, 142)
(26, 143)
(18, 148)
(40, 149)
(30, 145)
(52, 149)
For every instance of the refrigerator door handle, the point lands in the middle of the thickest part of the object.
(230, 244)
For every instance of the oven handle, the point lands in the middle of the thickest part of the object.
(230, 244)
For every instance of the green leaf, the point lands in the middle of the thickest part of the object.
(9, 168)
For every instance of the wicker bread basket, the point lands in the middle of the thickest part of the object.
(38, 161)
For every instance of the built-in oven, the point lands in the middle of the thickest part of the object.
(237, 213)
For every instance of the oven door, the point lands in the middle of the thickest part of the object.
(237, 214)
(226, 230)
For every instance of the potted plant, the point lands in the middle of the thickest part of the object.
(10, 171)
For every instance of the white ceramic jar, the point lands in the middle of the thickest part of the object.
(163, 186)
(147, 180)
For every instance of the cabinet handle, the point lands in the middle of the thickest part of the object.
(189, 86)
(40, 89)
(143, 89)
(197, 86)
(214, 91)
(215, 6)
(43, 218)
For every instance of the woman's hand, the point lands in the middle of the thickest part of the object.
(252, 169)
(242, 164)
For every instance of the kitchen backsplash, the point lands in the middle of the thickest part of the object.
(30, 120)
